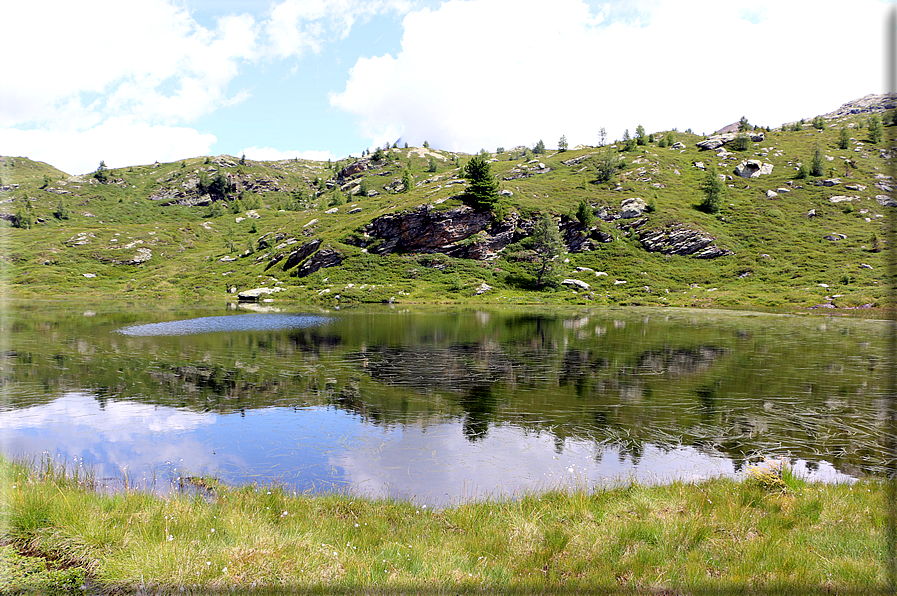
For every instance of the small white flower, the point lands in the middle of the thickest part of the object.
(213, 530)
(208, 563)
(224, 570)
(356, 525)
(170, 538)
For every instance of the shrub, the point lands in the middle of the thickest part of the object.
(742, 142)
(539, 147)
(100, 173)
(61, 212)
(640, 135)
(819, 123)
(875, 128)
(713, 189)
(584, 213)
(802, 172)
(607, 165)
(843, 139)
(432, 166)
(562, 144)
(743, 124)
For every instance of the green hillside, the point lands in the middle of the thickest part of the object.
(208, 227)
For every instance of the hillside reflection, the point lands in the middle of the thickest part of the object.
(627, 384)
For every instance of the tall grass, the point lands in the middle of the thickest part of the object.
(676, 538)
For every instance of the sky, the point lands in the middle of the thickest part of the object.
(132, 82)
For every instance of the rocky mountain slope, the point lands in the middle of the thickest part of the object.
(350, 231)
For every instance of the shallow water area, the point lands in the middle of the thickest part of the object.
(440, 405)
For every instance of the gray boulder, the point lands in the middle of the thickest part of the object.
(632, 207)
(753, 168)
(577, 283)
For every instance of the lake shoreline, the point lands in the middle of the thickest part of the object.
(679, 538)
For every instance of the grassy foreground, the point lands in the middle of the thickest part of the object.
(769, 532)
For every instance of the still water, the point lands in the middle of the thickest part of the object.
(440, 405)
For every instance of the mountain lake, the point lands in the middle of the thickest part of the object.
(438, 404)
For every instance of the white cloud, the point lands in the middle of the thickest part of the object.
(106, 58)
(122, 81)
(525, 71)
(119, 142)
(296, 27)
(270, 154)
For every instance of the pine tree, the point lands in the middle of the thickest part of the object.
(483, 187)
(407, 181)
(843, 139)
(640, 135)
(743, 124)
(100, 174)
(548, 246)
(817, 164)
(562, 144)
(584, 214)
(875, 128)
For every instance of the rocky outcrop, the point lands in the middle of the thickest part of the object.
(753, 168)
(717, 141)
(326, 257)
(579, 239)
(677, 239)
(866, 105)
(353, 169)
(301, 253)
(426, 229)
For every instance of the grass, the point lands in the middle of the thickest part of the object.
(781, 258)
(680, 538)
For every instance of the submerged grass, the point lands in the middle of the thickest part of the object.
(715, 536)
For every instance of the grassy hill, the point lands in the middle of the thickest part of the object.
(203, 227)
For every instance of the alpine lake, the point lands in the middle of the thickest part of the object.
(438, 404)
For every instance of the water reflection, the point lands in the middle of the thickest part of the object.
(440, 405)
(229, 324)
(323, 448)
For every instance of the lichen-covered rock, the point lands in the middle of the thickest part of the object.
(677, 239)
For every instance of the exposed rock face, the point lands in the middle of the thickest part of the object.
(885, 201)
(866, 105)
(326, 257)
(753, 168)
(578, 238)
(679, 240)
(353, 169)
(300, 254)
(426, 230)
(717, 141)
